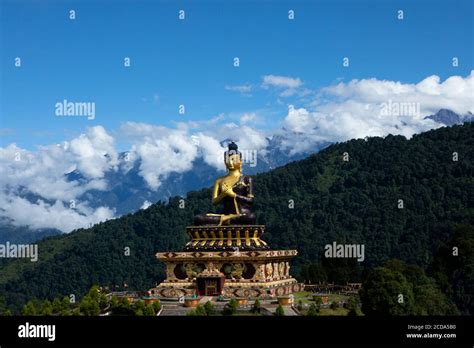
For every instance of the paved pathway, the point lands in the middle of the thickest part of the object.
(271, 308)
(205, 299)
(174, 310)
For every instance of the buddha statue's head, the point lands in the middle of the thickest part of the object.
(233, 158)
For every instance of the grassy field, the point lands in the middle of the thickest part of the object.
(337, 297)
(303, 296)
(329, 311)
(307, 297)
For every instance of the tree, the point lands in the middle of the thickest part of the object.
(209, 308)
(3, 306)
(353, 305)
(341, 270)
(123, 307)
(89, 306)
(318, 302)
(334, 305)
(114, 303)
(156, 307)
(198, 311)
(314, 273)
(313, 310)
(139, 308)
(279, 311)
(429, 299)
(56, 306)
(103, 301)
(256, 306)
(149, 311)
(65, 306)
(46, 308)
(29, 309)
(230, 308)
(386, 292)
(453, 268)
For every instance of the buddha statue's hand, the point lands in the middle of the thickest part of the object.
(227, 190)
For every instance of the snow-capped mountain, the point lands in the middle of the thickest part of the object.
(450, 118)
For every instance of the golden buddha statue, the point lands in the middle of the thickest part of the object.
(235, 193)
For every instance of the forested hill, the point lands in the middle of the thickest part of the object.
(354, 201)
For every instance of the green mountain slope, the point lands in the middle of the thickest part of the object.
(349, 202)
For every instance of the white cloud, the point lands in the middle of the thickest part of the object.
(94, 152)
(281, 81)
(211, 150)
(43, 215)
(162, 151)
(248, 117)
(287, 86)
(455, 93)
(298, 120)
(44, 174)
(146, 205)
(372, 107)
(160, 157)
(248, 139)
(244, 89)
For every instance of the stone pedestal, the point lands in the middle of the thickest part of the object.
(227, 260)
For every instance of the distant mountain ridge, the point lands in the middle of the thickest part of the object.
(450, 118)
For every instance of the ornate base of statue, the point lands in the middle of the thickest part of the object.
(227, 260)
(225, 254)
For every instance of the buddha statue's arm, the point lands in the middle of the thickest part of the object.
(218, 196)
(248, 198)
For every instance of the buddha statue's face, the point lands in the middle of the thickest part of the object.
(233, 162)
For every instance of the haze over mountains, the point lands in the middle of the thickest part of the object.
(123, 187)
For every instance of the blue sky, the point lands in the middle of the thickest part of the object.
(291, 82)
(190, 62)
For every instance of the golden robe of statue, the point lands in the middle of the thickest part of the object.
(234, 191)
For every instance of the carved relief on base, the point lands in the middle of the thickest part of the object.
(275, 271)
(260, 274)
(244, 292)
(170, 271)
(175, 292)
(281, 270)
(269, 272)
